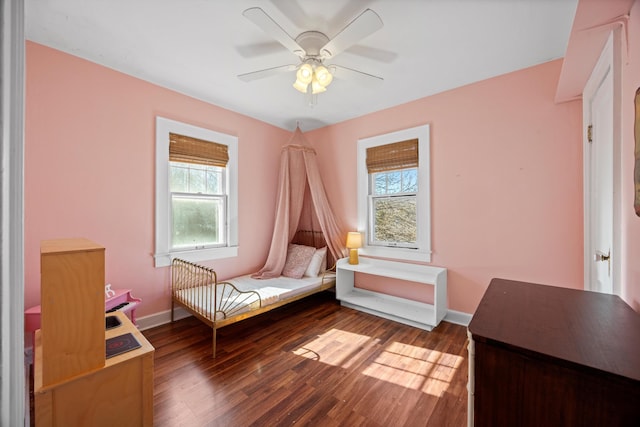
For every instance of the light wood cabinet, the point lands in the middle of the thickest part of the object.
(72, 305)
(119, 393)
(74, 382)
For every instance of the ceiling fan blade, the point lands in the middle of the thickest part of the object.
(259, 49)
(267, 72)
(271, 27)
(349, 73)
(368, 22)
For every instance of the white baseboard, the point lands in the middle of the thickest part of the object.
(458, 317)
(157, 319)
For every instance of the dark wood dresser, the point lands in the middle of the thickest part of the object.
(548, 356)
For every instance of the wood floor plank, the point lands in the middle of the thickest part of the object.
(312, 362)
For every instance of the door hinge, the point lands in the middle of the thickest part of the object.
(590, 133)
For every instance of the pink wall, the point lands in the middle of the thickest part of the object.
(630, 221)
(506, 180)
(89, 170)
(506, 174)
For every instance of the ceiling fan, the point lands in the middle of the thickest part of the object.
(313, 48)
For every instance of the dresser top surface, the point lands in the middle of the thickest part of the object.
(68, 245)
(586, 328)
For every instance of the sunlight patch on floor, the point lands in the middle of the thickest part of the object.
(418, 368)
(336, 347)
(429, 371)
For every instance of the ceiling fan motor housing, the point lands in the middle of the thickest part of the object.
(312, 42)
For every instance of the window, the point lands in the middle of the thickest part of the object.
(196, 193)
(392, 203)
(393, 195)
(198, 206)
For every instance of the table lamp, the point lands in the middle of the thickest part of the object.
(354, 241)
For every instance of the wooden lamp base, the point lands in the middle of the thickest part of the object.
(353, 256)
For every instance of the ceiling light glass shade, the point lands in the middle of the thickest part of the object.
(316, 87)
(302, 87)
(305, 73)
(323, 75)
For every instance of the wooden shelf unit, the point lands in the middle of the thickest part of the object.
(74, 382)
(403, 310)
(120, 393)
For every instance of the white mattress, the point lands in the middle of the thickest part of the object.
(274, 290)
(271, 291)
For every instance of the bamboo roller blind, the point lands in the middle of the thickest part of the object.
(193, 150)
(388, 157)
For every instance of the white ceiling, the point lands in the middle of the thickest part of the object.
(198, 47)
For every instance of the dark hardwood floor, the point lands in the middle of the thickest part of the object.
(312, 362)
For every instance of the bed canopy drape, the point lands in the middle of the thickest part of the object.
(301, 204)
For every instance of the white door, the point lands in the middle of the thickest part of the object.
(599, 185)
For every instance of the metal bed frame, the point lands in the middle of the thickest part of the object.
(201, 283)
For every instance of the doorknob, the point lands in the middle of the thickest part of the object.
(601, 256)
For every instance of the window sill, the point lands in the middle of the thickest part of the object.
(401, 254)
(164, 260)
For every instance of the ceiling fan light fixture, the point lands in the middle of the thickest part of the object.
(305, 73)
(313, 48)
(316, 86)
(301, 86)
(323, 76)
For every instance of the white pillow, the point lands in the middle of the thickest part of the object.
(317, 260)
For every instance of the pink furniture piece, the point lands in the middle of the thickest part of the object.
(119, 299)
(123, 301)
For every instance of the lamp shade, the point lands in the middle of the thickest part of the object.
(354, 240)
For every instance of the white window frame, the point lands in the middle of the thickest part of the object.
(423, 250)
(163, 253)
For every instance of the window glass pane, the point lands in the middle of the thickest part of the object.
(178, 176)
(395, 219)
(380, 183)
(197, 179)
(394, 182)
(214, 181)
(410, 180)
(196, 221)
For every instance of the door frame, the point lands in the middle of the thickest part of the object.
(607, 63)
(14, 408)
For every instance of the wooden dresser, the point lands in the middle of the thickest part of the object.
(548, 356)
